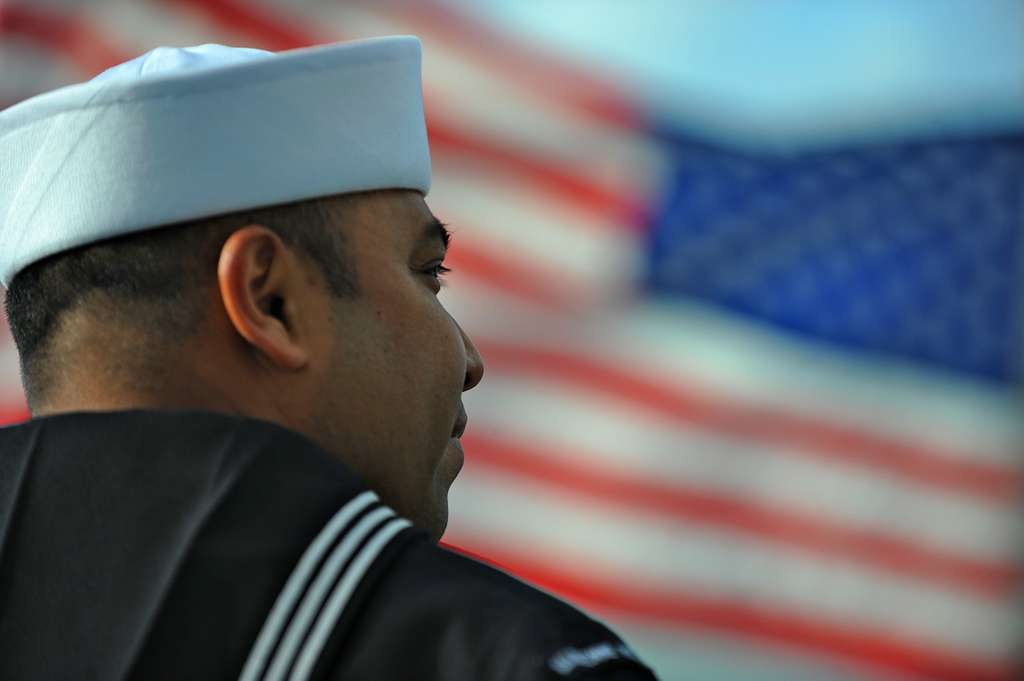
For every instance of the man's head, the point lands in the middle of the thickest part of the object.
(310, 301)
(322, 316)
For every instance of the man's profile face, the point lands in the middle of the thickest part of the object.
(396, 362)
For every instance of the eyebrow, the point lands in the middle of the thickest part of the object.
(435, 231)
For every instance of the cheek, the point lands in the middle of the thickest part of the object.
(396, 388)
(417, 360)
(445, 351)
(425, 342)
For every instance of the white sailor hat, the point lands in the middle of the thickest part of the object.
(185, 133)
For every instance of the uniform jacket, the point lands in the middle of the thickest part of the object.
(191, 545)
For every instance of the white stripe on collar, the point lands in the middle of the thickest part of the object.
(302, 574)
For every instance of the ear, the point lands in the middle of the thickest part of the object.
(258, 278)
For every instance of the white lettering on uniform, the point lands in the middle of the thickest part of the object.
(566, 660)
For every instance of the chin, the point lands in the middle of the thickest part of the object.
(438, 520)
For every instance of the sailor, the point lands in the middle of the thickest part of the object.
(246, 396)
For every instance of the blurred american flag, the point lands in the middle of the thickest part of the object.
(757, 411)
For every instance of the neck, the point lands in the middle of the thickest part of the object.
(100, 395)
(100, 373)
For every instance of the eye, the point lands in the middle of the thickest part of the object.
(437, 272)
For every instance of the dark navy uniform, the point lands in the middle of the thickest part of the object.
(192, 545)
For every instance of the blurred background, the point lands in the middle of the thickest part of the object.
(745, 277)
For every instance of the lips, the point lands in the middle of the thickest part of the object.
(460, 423)
(456, 458)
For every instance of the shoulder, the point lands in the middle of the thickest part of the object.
(374, 598)
(453, 617)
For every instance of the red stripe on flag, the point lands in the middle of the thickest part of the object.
(578, 473)
(605, 590)
(11, 413)
(541, 72)
(542, 287)
(802, 435)
(273, 30)
(618, 208)
(62, 33)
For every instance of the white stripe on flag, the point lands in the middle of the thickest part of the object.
(599, 256)
(137, 27)
(10, 377)
(28, 70)
(298, 579)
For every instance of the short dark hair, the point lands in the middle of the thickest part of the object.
(154, 278)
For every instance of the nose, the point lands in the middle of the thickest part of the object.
(474, 363)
